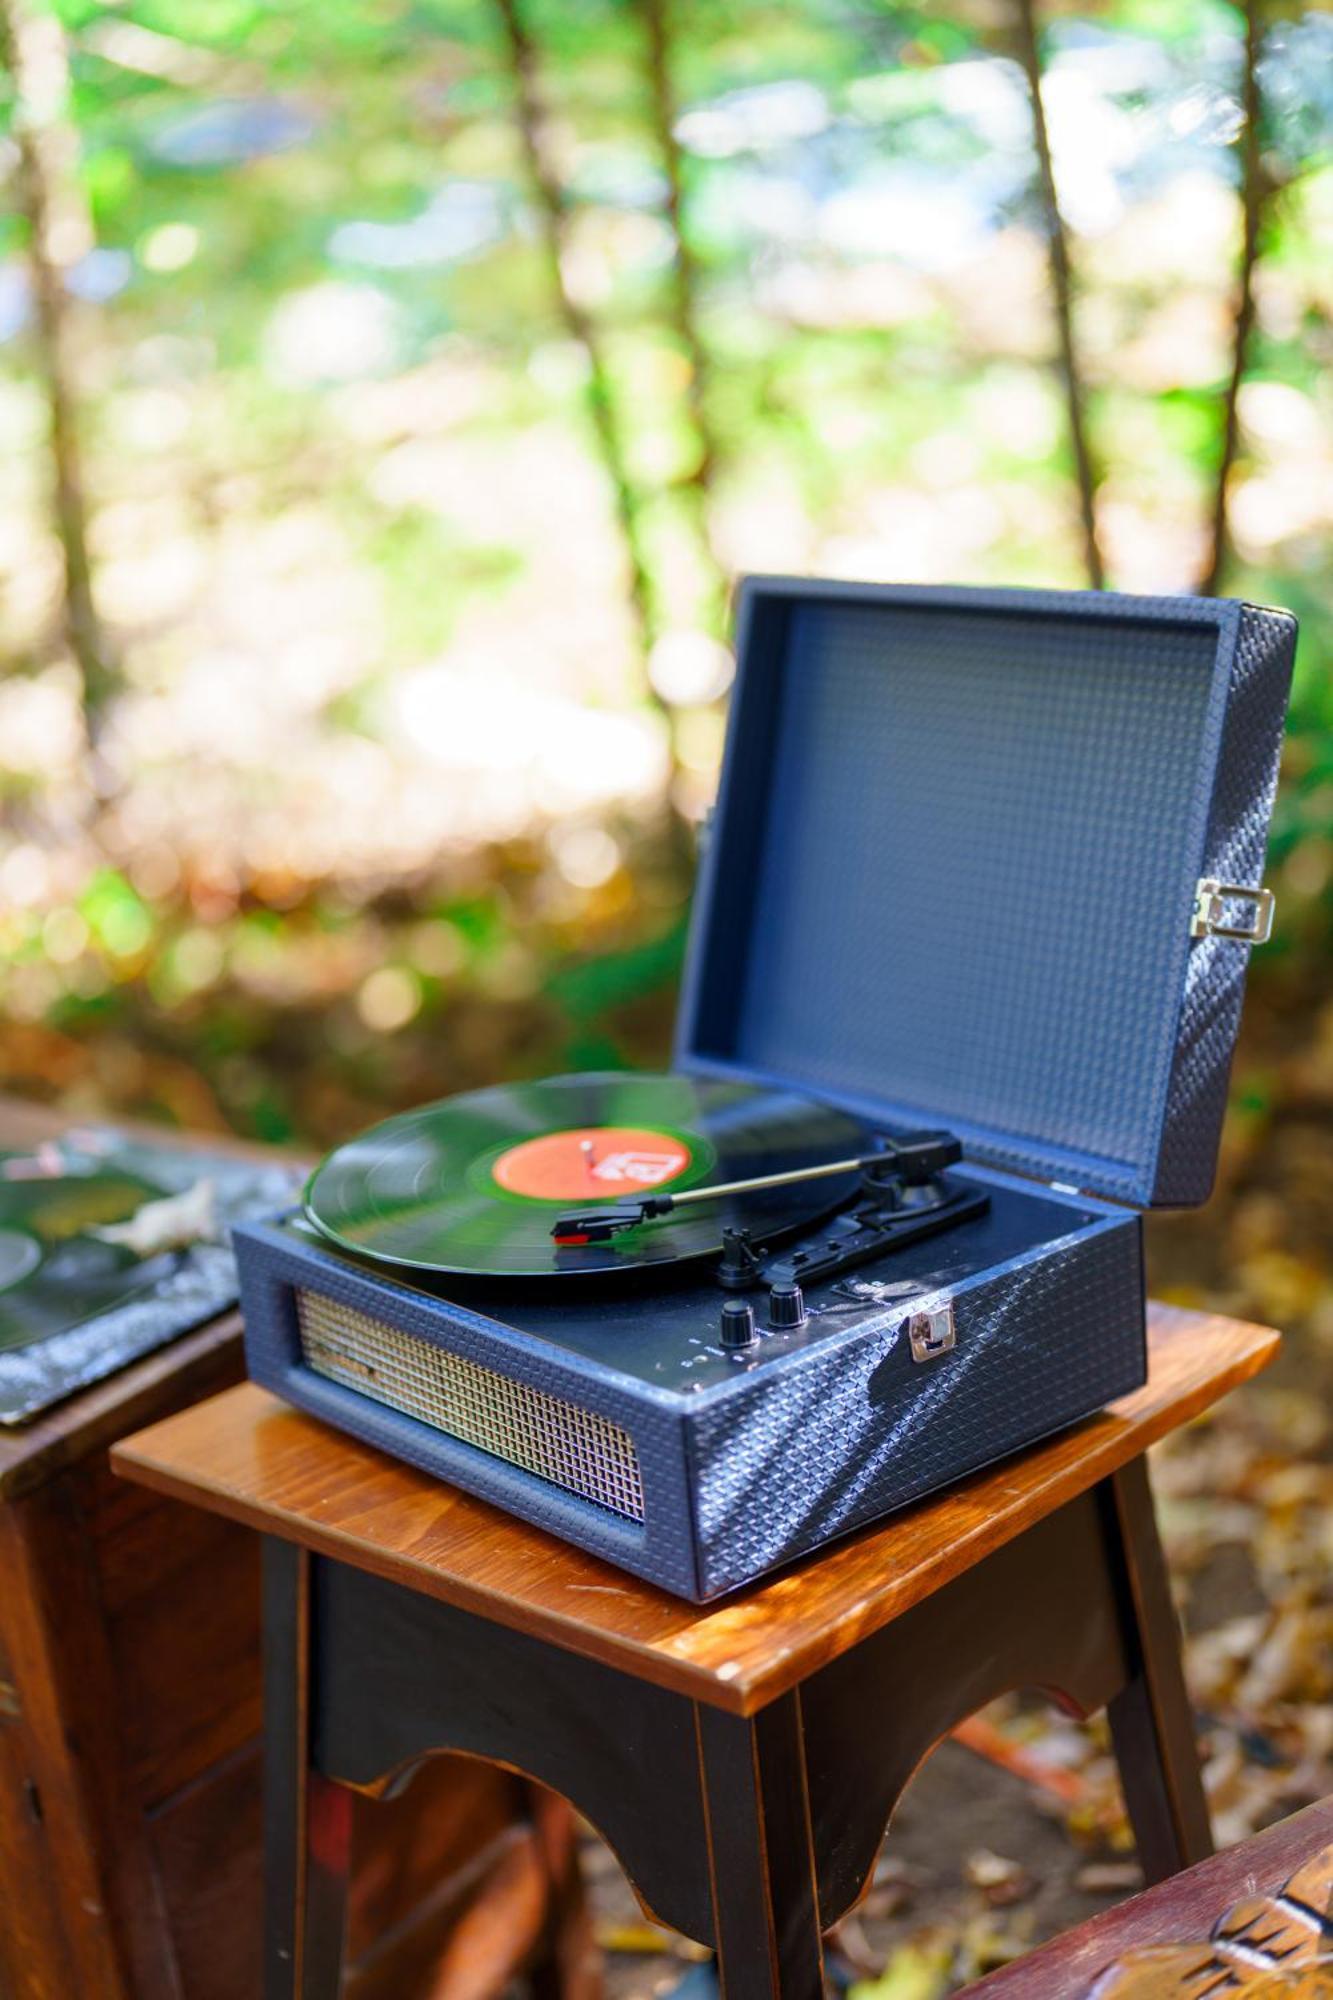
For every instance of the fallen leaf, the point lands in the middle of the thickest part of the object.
(640, 1939)
(1000, 1880)
(173, 1223)
(1109, 1878)
(919, 1970)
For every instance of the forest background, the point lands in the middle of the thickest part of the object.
(390, 392)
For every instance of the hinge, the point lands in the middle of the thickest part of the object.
(9, 1701)
(1210, 901)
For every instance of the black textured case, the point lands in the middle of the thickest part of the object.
(954, 861)
(742, 1465)
(951, 881)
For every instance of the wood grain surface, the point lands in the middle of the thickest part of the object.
(1217, 1929)
(246, 1455)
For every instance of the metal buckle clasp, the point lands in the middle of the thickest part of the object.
(1210, 901)
(931, 1333)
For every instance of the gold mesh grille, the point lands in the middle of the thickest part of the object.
(557, 1440)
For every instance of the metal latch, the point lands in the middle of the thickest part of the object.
(1210, 901)
(931, 1333)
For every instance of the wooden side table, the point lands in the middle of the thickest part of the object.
(129, 1739)
(742, 1759)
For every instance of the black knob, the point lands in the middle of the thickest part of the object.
(786, 1306)
(738, 1327)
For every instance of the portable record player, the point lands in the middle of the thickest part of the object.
(963, 982)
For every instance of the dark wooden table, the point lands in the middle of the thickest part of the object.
(130, 1739)
(742, 1759)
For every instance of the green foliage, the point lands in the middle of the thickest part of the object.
(354, 535)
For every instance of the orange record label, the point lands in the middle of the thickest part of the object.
(596, 1160)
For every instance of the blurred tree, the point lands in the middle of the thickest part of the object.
(548, 188)
(1062, 291)
(1255, 188)
(433, 367)
(59, 233)
(686, 273)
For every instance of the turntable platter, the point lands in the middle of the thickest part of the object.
(470, 1186)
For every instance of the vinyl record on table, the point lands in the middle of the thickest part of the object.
(471, 1186)
(54, 1273)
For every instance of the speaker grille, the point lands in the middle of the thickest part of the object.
(554, 1439)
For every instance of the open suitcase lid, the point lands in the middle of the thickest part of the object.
(967, 861)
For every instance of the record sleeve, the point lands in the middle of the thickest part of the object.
(76, 1306)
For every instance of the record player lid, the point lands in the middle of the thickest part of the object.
(954, 868)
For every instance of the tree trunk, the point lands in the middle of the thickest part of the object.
(685, 267)
(684, 295)
(59, 233)
(552, 210)
(553, 215)
(1253, 194)
(1062, 289)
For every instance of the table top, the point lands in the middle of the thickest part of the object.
(249, 1456)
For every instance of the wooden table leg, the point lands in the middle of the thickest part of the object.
(568, 1966)
(74, 1876)
(307, 1819)
(398, 1677)
(761, 1862)
(1151, 1724)
(1080, 1606)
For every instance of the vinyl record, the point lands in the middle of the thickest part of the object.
(54, 1273)
(472, 1185)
